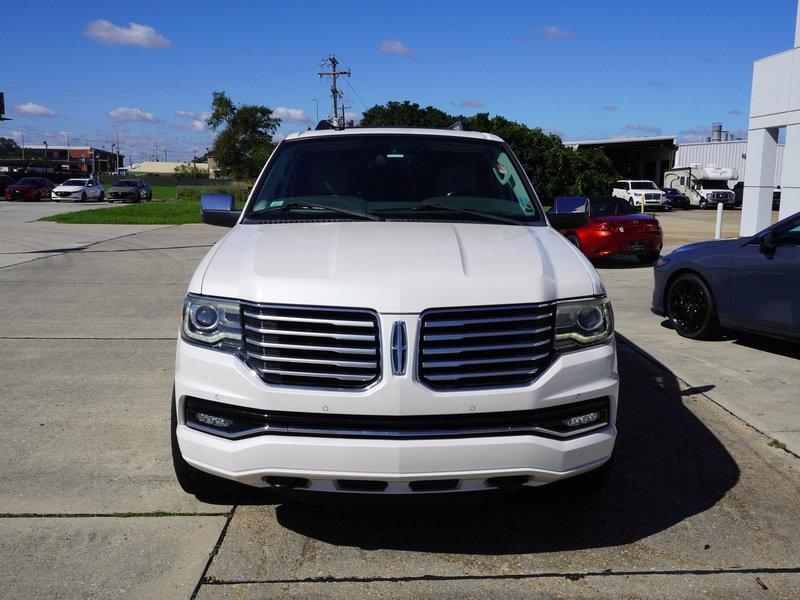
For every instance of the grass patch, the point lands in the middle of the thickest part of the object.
(171, 205)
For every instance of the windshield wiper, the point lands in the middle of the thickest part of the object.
(464, 211)
(303, 204)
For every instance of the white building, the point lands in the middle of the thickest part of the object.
(774, 103)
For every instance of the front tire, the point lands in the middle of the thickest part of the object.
(83, 197)
(691, 309)
(101, 197)
(194, 481)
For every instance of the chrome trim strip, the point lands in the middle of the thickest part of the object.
(477, 374)
(443, 364)
(338, 336)
(314, 361)
(459, 349)
(482, 334)
(462, 322)
(342, 376)
(337, 349)
(337, 322)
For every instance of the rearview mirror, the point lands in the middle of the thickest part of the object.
(218, 209)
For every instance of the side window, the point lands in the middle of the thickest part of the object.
(626, 186)
(791, 236)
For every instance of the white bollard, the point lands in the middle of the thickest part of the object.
(718, 231)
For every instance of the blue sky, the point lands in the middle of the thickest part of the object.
(581, 68)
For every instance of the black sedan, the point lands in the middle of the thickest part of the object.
(749, 284)
(130, 190)
(676, 198)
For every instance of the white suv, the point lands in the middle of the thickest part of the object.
(392, 313)
(637, 191)
(78, 190)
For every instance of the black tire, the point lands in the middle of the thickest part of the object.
(573, 239)
(101, 197)
(691, 308)
(83, 197)
(194, 481)
(649, 258)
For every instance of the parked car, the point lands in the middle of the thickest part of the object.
(392, 313)
(638, 191)
(30, 188)
(614, 227)
(79, 190)
(676, 199)
(5, 181)
(749, 284)
(738, 191)
(130, 190)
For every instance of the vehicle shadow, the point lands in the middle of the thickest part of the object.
(621, 262)
(668, 467)
(753, 341)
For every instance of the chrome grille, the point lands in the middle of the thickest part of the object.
(312, 346)
(486, 346)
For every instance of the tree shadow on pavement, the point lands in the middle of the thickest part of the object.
(668, 466)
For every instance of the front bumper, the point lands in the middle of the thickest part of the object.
(325, 461)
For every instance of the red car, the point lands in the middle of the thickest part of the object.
(30, 188)
(610, 227)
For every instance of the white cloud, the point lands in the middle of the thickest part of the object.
(187, 114)
(29, 109)
(474, 103)
(292, 115)
(124, 113)
(197, 125)
(395, 47)
(105, 32)
(553, 32)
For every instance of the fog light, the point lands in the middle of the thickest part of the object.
(212, 420)
(582, 420)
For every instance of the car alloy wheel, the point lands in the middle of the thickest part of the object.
(690, 307)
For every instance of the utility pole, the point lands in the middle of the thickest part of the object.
(165, 154)
(23, 146)
(332, 62)
(344, 113)
(116, 161)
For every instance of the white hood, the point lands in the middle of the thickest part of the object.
(69, 188)
(394, 267)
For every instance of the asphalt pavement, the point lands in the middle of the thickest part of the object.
(700, 503)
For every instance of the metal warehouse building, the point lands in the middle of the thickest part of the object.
(721, 154)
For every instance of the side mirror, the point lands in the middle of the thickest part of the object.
(218, 209)
(768, 243)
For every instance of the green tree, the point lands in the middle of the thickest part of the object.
(244, 138)
(554, 169)
(8, 148)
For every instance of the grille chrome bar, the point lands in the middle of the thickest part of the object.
(321, 347)
(481, 361)
(487, 346)
(343, 323)
(458, 349)
(338, 336)
(462, 322)
(340, 349)
(313, 361)
(483, 334)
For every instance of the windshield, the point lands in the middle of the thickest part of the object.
(28, 181)
(643, 185)
(394, 177)
(612, 206)
(78, 182)
(127, 183)
(713, 184)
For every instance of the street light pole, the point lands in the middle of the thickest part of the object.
(46, 160)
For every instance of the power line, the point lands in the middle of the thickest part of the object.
(352, 89)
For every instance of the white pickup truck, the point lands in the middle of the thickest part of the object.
(392, 313)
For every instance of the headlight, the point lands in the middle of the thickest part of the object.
(581, 323)
(212, 322)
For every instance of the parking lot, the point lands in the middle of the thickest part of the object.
(700, 503)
